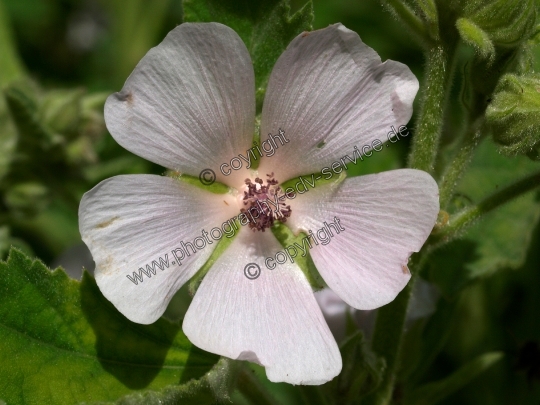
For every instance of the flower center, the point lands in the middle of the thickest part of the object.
(262, 203)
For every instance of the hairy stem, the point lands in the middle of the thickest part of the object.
(408, 17)
(455, 170)
(387, 336)
(430, 121)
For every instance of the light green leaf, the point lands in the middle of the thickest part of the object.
(432, 393)
(62, 342)
(501, 239)
(265, 26)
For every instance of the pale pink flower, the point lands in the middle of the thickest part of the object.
(190, 105)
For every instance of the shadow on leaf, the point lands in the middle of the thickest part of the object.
(136, 353)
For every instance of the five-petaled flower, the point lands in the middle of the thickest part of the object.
(189, 105)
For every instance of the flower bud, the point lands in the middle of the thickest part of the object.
(60, 110)
(27, 199)
(502, 22)
(513, 115)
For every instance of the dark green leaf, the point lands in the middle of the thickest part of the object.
(501, 239)
(362, 370)
(432, 393)
(265, 26)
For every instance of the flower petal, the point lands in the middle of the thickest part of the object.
(190, 102)
(386, 216)
(273, 320)
(128, 222)
(330, 92)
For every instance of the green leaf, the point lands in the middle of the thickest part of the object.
(476, 37)
(362, 370)
(135, 27)
(501, 239)
(265, 26)
(62, 342)
(10, 64)
(432, 393)
(8, 138)
(213, 388)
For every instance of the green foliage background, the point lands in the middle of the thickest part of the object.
(61, 342)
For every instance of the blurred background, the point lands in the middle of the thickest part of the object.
(66, 56)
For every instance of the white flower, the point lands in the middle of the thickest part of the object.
(190, 105)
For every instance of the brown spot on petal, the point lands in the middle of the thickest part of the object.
(226, 203)
(105, 224)
(305, 34)
(106, 266)
(405, 269)
(125, 96)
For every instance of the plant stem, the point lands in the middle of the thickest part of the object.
(404, 13)
(390, 322)
(252, 389)
(387, 337)
(439, 69)
(465, 218)
(456, 169)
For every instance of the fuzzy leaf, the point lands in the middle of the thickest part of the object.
(502, 238)
(62, 342)
(266, 27)
(433, 393)
(213, 388)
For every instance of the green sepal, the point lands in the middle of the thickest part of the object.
(287, 238)
(84, 349)
(362, 371)
(266, 27)
(514, 114)
(433, 393)
(474, 35)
